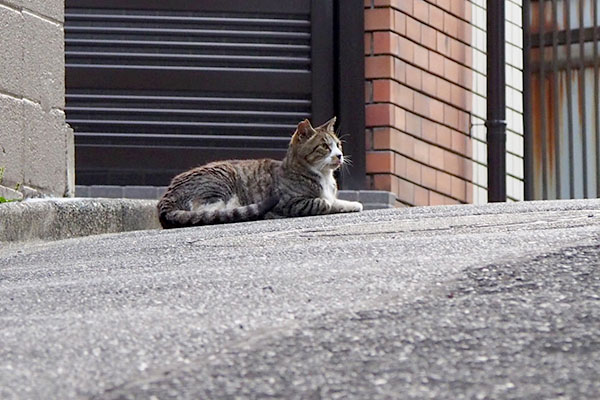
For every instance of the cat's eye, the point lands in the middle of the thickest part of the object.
(325, 146)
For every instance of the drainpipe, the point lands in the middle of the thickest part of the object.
(496, 101)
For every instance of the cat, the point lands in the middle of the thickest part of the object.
(244, 190)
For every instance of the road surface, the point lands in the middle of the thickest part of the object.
(464, 302)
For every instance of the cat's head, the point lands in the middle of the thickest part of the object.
(318, 147)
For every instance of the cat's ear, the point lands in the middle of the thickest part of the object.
(329, 126)
(304, 131)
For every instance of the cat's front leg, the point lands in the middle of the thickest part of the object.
(344, 206)
(303, 207)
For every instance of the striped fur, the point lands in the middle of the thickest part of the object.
(245, 190)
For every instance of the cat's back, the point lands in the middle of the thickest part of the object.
(243, 178)
(229, 169)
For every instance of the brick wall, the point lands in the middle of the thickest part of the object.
(36, 145)
(425, 96)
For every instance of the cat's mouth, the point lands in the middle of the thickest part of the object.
(336, 164)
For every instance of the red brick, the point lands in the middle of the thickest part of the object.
(454, 164)
(413, 77)
(444, 90)
(392, 139)
(443, 182)
(436, 110)
(421, 57)
(436, 62)
(469, 58)
(422, 104)
(385, 114)
(421, 152)
(399, 118)
(451, 116)
(428, 130)
(382, 139)
(382, 90)
(428, 177)
(399, 23)
(379, 19)
(444, 136)
(405, 144)
(402, 5)
(442, 44)
(459, 189)
(412, 171)
(421, 10)
(429, 37)
(436, 157)
(404, 97)
(444, 4)
(400, 70)
(451, 70)
(429, 84)
(465, 32)
(458, 7)
(400, 165)
(413, 124)
(406, 191)
(380, 162)
(436, 18)
(436, 199)
(458, 51)
(421, 196)
(379, 67)
(464, 119)
(459, 142)
(385, 182)
(413, 29)
(379, 114)
(459, 97)
(384, 42)
(451, 24)
(469, 196)
(405, 49)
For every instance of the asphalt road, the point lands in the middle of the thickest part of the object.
(466, 302)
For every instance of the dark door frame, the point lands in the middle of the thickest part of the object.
(350, 87)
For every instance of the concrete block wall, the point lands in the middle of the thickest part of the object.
(425, 66)
(36, 144)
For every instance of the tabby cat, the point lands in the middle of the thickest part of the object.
(244, 190)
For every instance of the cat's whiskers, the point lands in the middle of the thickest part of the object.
(347, 161)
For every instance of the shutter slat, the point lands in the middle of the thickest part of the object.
(182, 85)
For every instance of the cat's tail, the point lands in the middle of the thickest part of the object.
(173, 218)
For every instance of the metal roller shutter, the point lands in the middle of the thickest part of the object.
(156, 87)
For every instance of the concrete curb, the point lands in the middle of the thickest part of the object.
(55, 219)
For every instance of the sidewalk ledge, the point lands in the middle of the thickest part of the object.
(62, 218)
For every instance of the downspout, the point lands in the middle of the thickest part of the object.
(496, 101)
(527, 109)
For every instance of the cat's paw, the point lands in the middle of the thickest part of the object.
(344, 206)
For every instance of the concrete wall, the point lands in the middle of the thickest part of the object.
(425, 67)
(36, 145)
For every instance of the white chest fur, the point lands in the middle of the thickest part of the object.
(328, 186)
